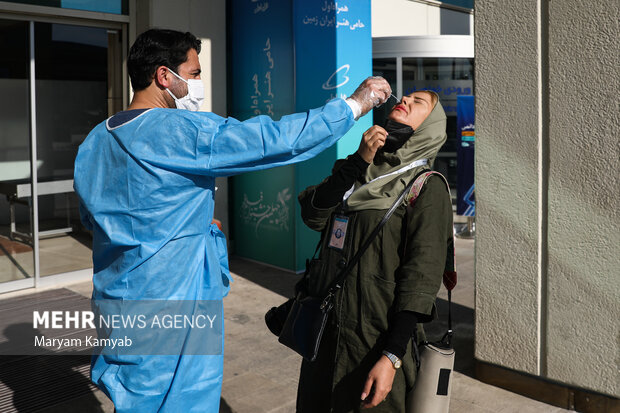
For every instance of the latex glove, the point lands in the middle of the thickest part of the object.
(379, 383)
(372, 140)
(373, 91)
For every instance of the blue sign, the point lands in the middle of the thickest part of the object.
(466, 134)
(333, 46)
(262, 83)
(447, 90)
(104, 6)
(262, 59)
(292, 56)
(333, 55)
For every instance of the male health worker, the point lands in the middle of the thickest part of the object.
(145, 179)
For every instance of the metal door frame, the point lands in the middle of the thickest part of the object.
(42, 14)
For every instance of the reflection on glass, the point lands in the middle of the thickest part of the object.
(104, 6)
(449, 77)
(461, 3)
(16, 256)
(71, 98)
(385, 68)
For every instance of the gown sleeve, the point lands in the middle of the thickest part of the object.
(260, 142)
(203, 143)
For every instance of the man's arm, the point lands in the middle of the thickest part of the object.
(261, 143)
(202, 143)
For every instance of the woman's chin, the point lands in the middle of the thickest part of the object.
(396, 116)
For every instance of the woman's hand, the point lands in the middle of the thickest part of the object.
(379, 383)
(372, 140)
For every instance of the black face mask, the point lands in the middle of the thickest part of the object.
(398, 134)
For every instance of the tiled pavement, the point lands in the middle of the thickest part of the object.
(260, 375)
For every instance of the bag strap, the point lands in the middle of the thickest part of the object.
(337, 283)
(449, 281)
(449, 275)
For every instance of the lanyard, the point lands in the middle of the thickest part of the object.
(414, 164)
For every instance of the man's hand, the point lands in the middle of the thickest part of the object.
(373, 91)
(372, 140)
(379, 383)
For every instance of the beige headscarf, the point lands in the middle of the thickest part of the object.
(423, 144)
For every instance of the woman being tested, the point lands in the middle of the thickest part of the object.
(365, 359)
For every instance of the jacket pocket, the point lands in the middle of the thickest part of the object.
(377, 299)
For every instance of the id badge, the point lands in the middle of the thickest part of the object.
(339, 232)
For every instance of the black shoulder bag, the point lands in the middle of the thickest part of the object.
(307, 316)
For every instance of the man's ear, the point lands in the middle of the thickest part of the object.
(162, 77)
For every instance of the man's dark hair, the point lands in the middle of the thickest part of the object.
(158, 47)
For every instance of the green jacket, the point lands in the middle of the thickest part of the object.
(401, 270)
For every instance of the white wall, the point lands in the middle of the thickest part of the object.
(404, 18)
(583, 318)
(398, 18)
(207, 21)
(547, 162)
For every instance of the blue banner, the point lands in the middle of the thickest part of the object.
(262, 59)
(466, 135)
(292, 56)
(262, 83)
(333, 55)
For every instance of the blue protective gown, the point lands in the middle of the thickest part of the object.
(146, 191)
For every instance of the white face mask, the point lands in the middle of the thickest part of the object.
(195, 94)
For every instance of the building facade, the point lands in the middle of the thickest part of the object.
(547, 162)
(547, 157)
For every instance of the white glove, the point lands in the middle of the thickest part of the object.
(373, 91)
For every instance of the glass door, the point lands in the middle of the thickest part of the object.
(75, 91)
(58, 81)
(17, 264)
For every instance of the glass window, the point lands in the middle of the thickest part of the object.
(16, 257)
(385, 68)
(462, 3)
(104, 6)
(449, 77)
(71, 67)
(71, 98)
(78, 84)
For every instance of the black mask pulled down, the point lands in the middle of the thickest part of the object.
(398, 134)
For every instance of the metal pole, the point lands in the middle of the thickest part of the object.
(399, 77)
(33, 160)
(470, 231)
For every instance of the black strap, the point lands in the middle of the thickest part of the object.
(337, 283)
(447, 338)
(450, 311)
(450, 268)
